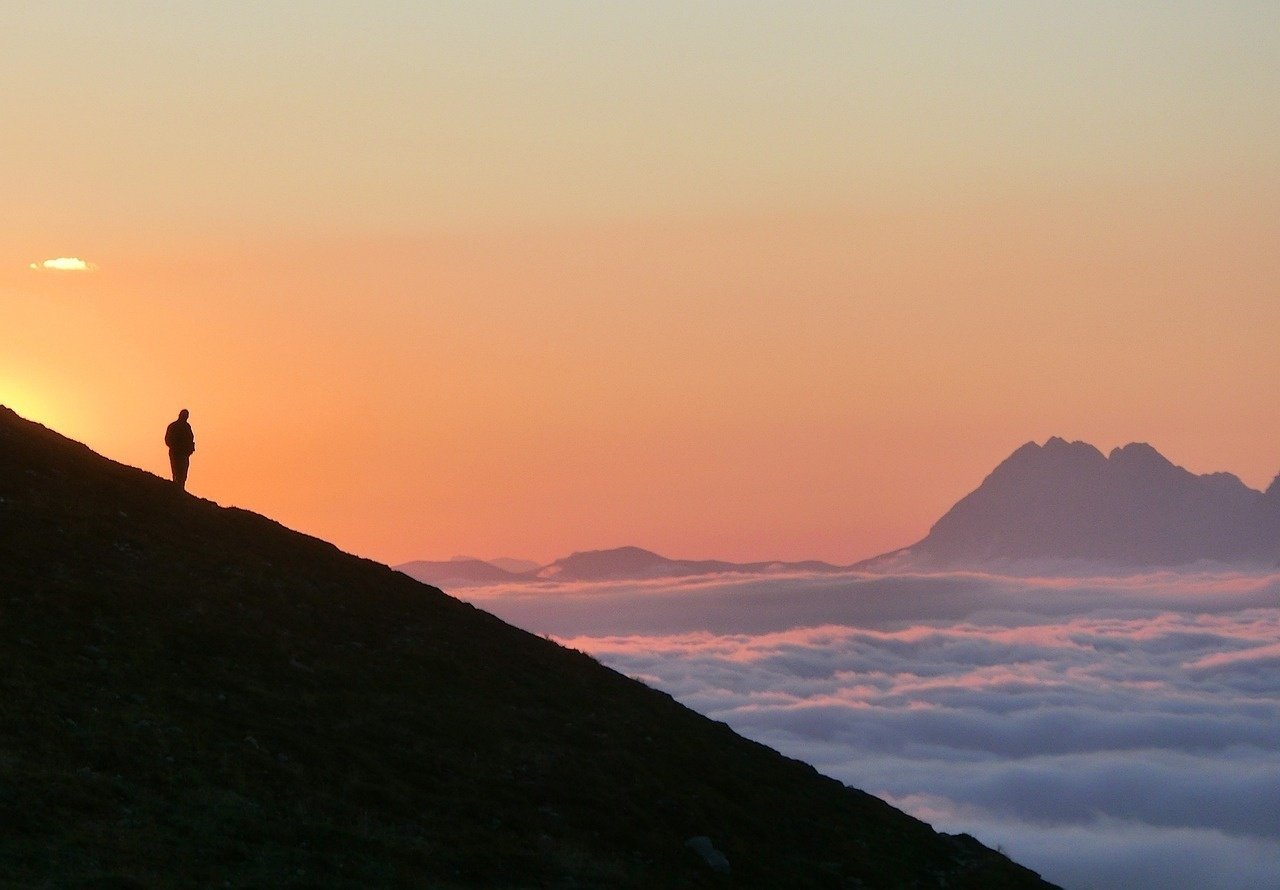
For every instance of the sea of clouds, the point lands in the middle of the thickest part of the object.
(1106, 732)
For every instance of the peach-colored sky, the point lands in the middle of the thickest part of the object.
(744, 281)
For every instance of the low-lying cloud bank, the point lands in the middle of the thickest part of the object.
(1108, 732)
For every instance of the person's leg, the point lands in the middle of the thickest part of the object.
(179, 463)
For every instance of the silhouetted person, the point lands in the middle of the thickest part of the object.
(182, 444)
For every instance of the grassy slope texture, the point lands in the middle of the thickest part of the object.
(197, 696)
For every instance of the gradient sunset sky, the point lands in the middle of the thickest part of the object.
(744, 280)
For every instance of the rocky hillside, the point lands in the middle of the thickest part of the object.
(197, 696)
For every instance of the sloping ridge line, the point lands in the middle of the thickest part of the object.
(201, 696)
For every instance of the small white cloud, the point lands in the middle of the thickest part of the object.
(65, 264)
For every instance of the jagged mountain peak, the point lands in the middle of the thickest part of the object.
(1066, 500)
(1056, 451)
(1273, 490)
(1058, 443)
(1139, 454)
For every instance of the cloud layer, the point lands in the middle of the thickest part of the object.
(1106, 732)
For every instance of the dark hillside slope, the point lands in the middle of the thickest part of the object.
(197, 696)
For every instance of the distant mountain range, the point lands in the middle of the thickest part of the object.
(617, 564)
(506, 563)
(1068, 502)
(464, 572)
(1061, 504)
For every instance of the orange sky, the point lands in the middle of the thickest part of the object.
(665, 321)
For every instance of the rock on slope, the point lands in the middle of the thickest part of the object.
(197, 696)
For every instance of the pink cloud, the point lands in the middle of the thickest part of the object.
(1257, 657)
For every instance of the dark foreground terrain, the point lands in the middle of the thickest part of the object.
(197, 696)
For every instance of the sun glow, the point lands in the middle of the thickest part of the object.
(28, 405)
(65, 264)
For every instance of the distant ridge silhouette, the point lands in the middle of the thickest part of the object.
(1060, 505)
(1067, 501)
(461, 572)
(616, 564)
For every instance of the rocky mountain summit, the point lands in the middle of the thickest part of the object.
(198, 696)
(1133, 507)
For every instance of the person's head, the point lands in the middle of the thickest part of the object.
(184, 414)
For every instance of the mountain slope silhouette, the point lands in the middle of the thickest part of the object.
(1067, 501)
(197, 696)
